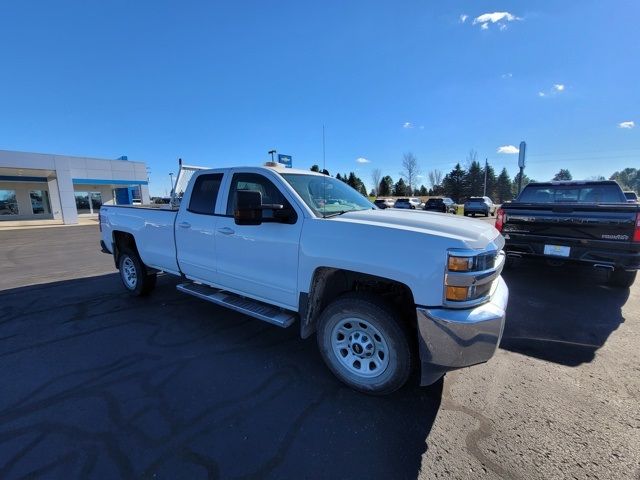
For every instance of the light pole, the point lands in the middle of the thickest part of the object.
(171, 179)
(272, 152)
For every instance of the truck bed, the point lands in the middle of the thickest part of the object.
(151, 226)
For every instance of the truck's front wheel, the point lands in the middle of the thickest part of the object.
(365, 344)
(134, 274)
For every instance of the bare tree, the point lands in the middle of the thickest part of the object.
(410, 169)
(376, 175)
(435, 178)
(472, 156)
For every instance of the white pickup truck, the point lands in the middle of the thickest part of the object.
(380, 288)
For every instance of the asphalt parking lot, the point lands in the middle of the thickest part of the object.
(98, 384)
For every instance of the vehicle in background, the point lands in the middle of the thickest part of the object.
(384, 202)
(588, 222)
(632, 197)
(410, 203)
(479, 205)
(285, 245)
(444, 205)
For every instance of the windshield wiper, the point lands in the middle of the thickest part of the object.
(335, 214)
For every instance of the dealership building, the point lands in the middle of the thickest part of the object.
(38, 186)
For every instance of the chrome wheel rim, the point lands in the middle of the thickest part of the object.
(129, 275)
(360, 347)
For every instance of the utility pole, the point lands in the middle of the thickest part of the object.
(272, 152)
(171, 184)
(484, 194)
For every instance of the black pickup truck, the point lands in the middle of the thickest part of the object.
(589, 222)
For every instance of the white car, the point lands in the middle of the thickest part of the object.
(410, 203)
(285, 246)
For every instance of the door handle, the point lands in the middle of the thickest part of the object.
(226, 231)
(184, 225)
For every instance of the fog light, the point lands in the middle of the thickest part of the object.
(458, 294)
(460, 264)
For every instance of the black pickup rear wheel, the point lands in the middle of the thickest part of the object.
(622, 278)
(135, 276)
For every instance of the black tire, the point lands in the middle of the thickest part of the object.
(135, 276)
(386, 326)
(622, 278)
(486, 214)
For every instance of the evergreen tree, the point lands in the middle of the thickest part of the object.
(315, 168)
(338, 176)
(504, 190)
(474, 180)
(386, 186)
(525, 181)
(326, 172)
(400, 188)
(563, 174)
(492, 182)
(454, 185)
(423, 192)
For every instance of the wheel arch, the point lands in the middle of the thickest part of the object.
(328, 283)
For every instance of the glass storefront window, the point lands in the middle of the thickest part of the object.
(40, 202)
(82, 202)
(96, 201)
(88, 202)
(8, 202)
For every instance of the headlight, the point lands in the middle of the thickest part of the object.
(470, 276)
(460, 264)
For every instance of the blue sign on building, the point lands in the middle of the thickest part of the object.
(285, 160)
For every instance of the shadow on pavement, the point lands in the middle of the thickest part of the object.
(98, 384)
(560, 314)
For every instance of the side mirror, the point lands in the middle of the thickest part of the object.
(248, 207)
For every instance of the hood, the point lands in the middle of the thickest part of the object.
(473, 233)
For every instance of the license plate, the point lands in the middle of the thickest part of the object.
(557, 250)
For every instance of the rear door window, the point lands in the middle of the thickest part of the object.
(205, 194)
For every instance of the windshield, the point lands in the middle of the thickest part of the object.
(571, 194)
(326, 195)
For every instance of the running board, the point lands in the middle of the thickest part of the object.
(253, 308)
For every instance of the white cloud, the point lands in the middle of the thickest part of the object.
(507, 75)
(628, 124)
(463, 18)
(362, 160)
(421, 127)
(499, 18)
(407, 125)
(556, 89)
(508, 149)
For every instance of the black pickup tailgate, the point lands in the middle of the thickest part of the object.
(614, 222)
(584, 221)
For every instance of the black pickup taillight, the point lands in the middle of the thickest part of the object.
(636, 231)
(500, 218)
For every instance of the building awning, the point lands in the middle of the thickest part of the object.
(95, 181)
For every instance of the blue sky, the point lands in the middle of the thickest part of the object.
(220, 84)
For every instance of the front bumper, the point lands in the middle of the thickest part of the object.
(451, 338)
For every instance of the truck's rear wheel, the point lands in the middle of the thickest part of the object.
(134, 274)
(364, 344)
(622, 278)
